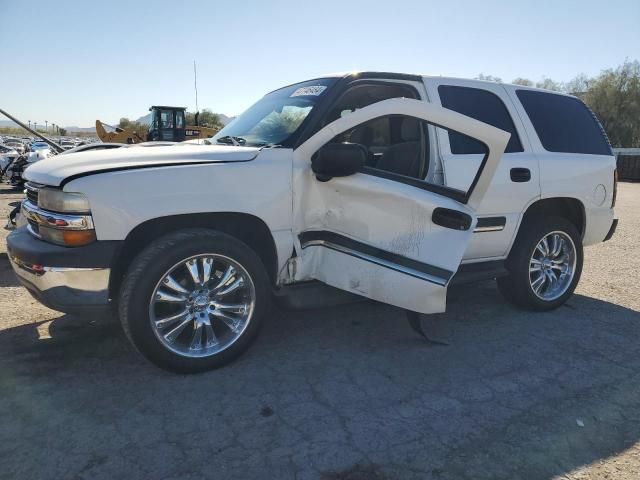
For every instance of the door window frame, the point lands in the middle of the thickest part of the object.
(313, 123)
(500, 91)
(453, 193)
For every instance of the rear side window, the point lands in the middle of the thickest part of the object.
(564, 124)
(481, 105)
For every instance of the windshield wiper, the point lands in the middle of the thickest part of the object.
(267, 145)
(229, 140)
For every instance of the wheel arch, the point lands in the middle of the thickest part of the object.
(567, 207)
(247, 228)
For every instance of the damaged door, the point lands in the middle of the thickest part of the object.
(367, 222)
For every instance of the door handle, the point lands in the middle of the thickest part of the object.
(520, 175)
(454, 219)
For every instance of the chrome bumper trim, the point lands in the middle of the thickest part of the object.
(63, 288)
(61, 221)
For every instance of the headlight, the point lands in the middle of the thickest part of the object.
(64, 202)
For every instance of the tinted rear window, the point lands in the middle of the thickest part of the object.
(564, 124)
(481, 105)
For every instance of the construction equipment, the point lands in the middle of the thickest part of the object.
(167, 123)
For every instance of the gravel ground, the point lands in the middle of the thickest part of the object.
(341, 393)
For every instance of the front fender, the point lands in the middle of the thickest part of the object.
(122, 200)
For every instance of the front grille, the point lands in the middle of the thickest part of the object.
(32, 192)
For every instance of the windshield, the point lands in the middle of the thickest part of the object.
(276, 116)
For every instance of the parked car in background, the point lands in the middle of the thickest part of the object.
(7, 155)
(383, 185)
(39, 146)
(16, 144)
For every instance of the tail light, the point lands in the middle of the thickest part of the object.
(615, 187)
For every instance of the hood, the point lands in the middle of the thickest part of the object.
(54, 170)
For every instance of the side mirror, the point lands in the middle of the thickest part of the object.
(338, 160)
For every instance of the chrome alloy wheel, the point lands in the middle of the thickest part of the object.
(552, 266)
(202, 305)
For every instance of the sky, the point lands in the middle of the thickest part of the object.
(71, 62)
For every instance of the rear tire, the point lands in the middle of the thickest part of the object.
(543, 276)
(194, 300)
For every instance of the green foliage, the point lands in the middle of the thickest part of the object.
(62, 131)
(206, 119)
(615, 97)
(488, 78)
(522, 81)
(139, 128)
(549, 84)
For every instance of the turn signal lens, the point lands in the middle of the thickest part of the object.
(77, 238)
(67, 238)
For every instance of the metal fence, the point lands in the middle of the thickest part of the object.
(628, 161)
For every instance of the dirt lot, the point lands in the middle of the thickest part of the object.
(342, 393)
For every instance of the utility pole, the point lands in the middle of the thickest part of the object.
(35, 126)
(46, 126)
(29, 121)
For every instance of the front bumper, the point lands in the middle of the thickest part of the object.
(70, 280)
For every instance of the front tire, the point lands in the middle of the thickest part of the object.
(545, 264)
(194, 300)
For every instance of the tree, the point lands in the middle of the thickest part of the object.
(140, 128)
(63, 131)
(525, 82)
(206, 119)
(549, 84)
(578, 86)
(615, 98)
(488, 78)
(124, 122)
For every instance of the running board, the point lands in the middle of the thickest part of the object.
(475, 272)
(312, 295)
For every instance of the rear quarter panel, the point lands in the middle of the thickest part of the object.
(588, 178)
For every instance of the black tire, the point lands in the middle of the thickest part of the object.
(148, 268)
(516, 287)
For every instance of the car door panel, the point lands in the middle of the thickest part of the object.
(375, 235)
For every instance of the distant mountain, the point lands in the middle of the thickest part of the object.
(226, 120)
(146, 120)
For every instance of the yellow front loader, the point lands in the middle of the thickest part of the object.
(167, 124)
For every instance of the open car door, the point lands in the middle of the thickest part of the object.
(381, 234)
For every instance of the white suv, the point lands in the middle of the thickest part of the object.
(386, 186)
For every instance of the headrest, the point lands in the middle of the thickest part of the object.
(410, 130)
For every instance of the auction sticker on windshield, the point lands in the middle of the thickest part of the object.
(314, 90)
